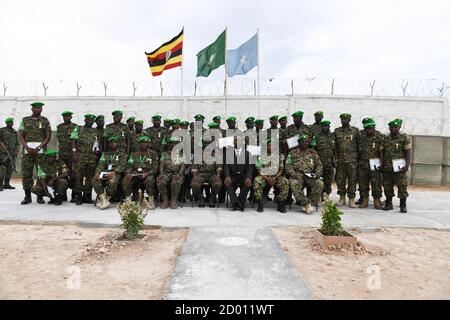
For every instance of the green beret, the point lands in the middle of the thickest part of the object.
(89, 116)
(369, 125)
(325, 123)
(345, 116)
(259, 122)
(113, 139)
(318, 113)
(176, 121)
(395, 123)
(199, 117)
(144, 138)
(298, 114)
(213, 125)
(157, 117)
(139, 122)
(117, 113)
(51, 153)
(250, 120)
(273, 118)
(9, 120)
(231, 119)
(185, 123)
(217, 118)
(175, 139)
(131, 119)
(367, 120)
(168, 120)
(67, 113)
(303, 137)
(37, 104)
(100, 117)
(283, 118)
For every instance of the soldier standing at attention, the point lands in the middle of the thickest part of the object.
(85, 154)
(138, 132)
(100, 126)
(370, 147)
(304, 169)
(259, 127)
(34, 134)
(279, 134)
(298, 128)
(130, 124)
(218, 120)
(121, 131)
(157, 133)
(167, 124)
(396, 146)
(250, 123)
(270, 174)
(347, 141)
(9, 143)
(63, 132)
(325, 148)
(316, 127)
(53, 173)
(144, 165)
(283, 123)
(112, 162)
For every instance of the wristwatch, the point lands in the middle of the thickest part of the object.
(38, 149)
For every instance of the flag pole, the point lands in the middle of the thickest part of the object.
(182, 74)
(226, 62)
(258, 92)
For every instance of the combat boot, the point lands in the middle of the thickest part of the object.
(64, 196)
(173, 202)
(308, 209)
(351, 203)
(87, 198)
(364, 203)
(40, 200)
(282, 207)
(359, 201)
(58, 200)
(388, 205)
(377, 203)
(341, 201)
(79, 199)
(403, 208)
(1, 185)
(73, 197)
(260, 206)
(51, 201)
(8, 186)
(201, 201)
(27, 198)
(212, 200)
(151, 203)
(165, 201)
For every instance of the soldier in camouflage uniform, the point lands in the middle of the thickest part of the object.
(136, 134)
(9, 143)
(112, 162)
(171, 172)
(130, 124)
(100, 126)
(280, 136)
(157, 133)
(209, 174)
(298, 128)
(325, 148)
(396, 146)
(370, 147)
(283, 124)
(347, 141)
(120, 130)
(270, 169)
(304, 169)
(53, 173)
(85, 154)
(34, 134)
(316, 127)
(63, 132)
(144, 165)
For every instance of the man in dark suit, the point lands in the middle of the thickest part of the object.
(238, 169)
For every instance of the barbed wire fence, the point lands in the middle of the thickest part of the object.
(238, 87)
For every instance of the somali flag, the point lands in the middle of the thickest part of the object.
(243, 59)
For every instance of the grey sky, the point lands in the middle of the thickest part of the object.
(99, 39)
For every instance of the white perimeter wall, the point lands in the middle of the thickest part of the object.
(422, 116)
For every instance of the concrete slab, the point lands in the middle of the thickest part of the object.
(234, 263)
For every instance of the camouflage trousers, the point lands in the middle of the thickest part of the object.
(130, 183)
(399, 179)
(60, 187)
(314, 185)
(109, 186)
(28, 164)
(346, 179)
(68, 161)
(175, 182)
(281, 185)
(328, 177)
(369, 179)
(212, 180)
(83, 175)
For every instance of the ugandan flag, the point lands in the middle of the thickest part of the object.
(167, 56)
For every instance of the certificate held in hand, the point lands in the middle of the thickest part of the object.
(398, 164)
(292, 142)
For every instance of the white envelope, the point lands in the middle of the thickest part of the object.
(226, 142)
(374, 164)
(292, 142)
(34, 145)
(254, 150)
(398, 164)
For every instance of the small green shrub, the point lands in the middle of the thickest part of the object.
(331, 220)
(132, 216)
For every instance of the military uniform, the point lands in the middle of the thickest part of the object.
(266, 166)
(108, 162)
(302, 129)
(298, 164)
(315, 129)
(280, 135)
(134, 145)
(120, 130)
(144, 163)
(157, 135)
(8, 136)
(206, 173)
(369, 148)
(170, 176)
(63, 133)
(325, 147)
(346, 140)
(49, 171)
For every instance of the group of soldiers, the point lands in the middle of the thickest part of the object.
(120, 158)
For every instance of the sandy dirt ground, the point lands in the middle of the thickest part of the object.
(69, 262)
(386, 264)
